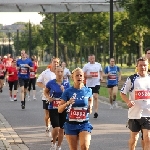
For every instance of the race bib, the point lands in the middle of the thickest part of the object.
(112, 77)
(56, 103)
(77, 114)
(142, 94)
(23, 71)
(32, 74)
(94, 74)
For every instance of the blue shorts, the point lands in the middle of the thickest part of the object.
(75, 129)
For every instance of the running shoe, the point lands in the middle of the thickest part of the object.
(111, 106)
(29, 98)
(10, 98)
(53, 147)
(115, 104)
(95, 115)
(15, 99)
(34, 98)
(58, 148)
(22, 105)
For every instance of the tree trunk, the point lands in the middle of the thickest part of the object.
(65, 55)
(140, 44)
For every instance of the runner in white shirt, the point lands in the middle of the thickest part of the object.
(93, 74)
(42, 80)
(67, 73)
(138, 87)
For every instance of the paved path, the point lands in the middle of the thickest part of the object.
(25, 129)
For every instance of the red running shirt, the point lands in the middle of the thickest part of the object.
(14, 76)
(33, 71)
(8, 62)
(1, 70)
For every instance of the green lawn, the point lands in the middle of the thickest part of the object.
(104, 92)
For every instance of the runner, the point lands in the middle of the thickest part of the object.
(7, 63)
(32, 80)
(138, 86)
(113, 74)
(78, 100)
(24, 65)
(94, 75)
(42, 80)
(12, 73)
(67, 73)
(2, 75)
(53, 92)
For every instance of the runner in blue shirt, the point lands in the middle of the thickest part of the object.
(53, 91)
(78, 100)
(113, 74)
(24, 65)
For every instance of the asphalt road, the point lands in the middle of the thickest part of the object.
(109, 129)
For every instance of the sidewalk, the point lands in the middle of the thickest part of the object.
(9, 140)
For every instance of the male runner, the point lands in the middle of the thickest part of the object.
(24, 65)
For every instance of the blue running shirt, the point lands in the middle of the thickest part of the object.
(24, 72)
(78, 110)
(112, 79)
(56, 91)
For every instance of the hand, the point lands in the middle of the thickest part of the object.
(12, 73)
(50, 99)
(71, 101)
(62, 88)
(130, 104)
(89, 110)
(26, 65)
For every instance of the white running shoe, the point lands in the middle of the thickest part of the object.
(34, 98)
(15, 99)
(29, 98)
(115, 104)
(58, 148)
(111, 106)
(10, 98)
(53, 147)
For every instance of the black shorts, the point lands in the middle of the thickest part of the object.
(13, 83)
(23, 82)
(135, 125)
(95, 89)
(2, 77)
(57, 119)
(45, 105)
(111, 86)
(32, 83)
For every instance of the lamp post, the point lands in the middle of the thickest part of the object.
(111, 38)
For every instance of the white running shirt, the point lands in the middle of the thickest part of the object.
(140, 95)
(45, 77)
(94, 70)
(66, 73)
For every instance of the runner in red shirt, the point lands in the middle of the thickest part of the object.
(32, 80)
(12, 73)
(2, 70)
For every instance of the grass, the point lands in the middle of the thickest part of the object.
(104, 92)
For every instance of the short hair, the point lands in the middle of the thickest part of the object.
(91, 55)
(141, 59)
(147, 49)
(76, 69)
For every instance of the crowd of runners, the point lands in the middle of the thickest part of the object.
(68, 96)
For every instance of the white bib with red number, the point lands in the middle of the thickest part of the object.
(142, 94)
(23, 71)
(56, 102)
(32, 74)
(94, 74)
(77, 114)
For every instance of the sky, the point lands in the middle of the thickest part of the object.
(8, 18)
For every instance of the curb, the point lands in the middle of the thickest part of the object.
(9, 137)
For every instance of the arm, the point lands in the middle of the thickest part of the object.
(47, 95)
(40, 84)
(126, 100)
(63, 104)
(90, 104)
